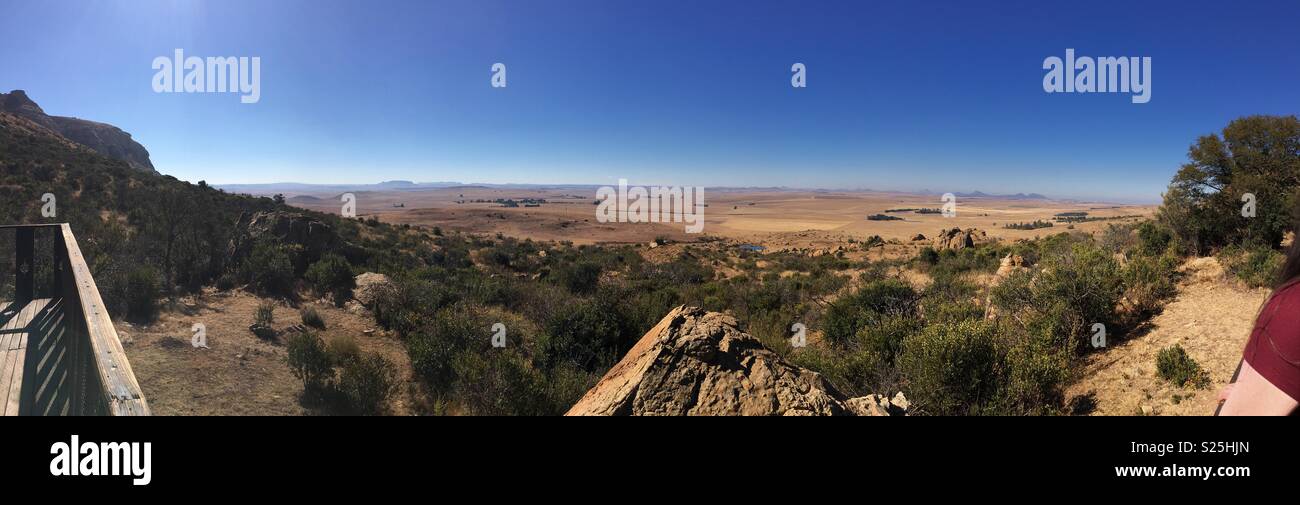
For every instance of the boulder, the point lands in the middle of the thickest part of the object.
(370, 287)
(957, 238)
(699, 363)
(918, 237)
(878, 405)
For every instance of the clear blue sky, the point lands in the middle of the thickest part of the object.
(901, 95)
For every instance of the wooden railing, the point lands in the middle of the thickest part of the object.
(74, 362)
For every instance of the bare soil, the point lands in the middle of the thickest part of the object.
(240, 373)
(1211, 318)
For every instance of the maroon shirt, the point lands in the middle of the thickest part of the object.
(1274, 346)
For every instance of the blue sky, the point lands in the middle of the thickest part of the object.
(943, 96)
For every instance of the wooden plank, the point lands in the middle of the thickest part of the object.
(19, 356)
(116, 379)
(14, 336)
(7, 386)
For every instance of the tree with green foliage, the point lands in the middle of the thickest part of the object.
(269, 269)
(332, 276)
(310, 361)
(1255, 156)
(143, 290)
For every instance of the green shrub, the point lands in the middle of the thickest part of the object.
(265, 315)
(434, 346)
(1037, 370)
(1256, 265)
(952, 263)
(585, 335)
(1077, 285)
(413, 304)
(1153, 238)
(343, 349)
(871, 306)
(311, 317)
(309, 361)
(853, 373)
(142, 295)
(333, 276)
(367, 383)
(940, 310)
(1119, 238)
(885, 336)
(579, 278)
(269, 269)
(929, 256)
(1148, 282)
(1174, 365)
(952, 369)
(500, 382)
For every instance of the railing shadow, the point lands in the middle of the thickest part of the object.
(47, 385)
(73, 363)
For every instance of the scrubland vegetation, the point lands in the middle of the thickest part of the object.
(966, 342)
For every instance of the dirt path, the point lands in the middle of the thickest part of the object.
(1211, 318)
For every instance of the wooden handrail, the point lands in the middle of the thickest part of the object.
(95, 371)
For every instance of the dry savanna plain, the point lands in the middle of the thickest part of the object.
(773, 218)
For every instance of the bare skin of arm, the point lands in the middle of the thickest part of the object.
(1253, 395)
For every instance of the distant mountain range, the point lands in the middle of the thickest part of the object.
(981, 194)
(104, 139)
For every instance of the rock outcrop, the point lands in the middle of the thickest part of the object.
(312, 235)
(370, 287)
(1011, 264)
(104, 139)
(957, 238)
(699, 363)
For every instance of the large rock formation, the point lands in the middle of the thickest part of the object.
(957, 238)
(312, 235)
(104, 139)
(699, 363)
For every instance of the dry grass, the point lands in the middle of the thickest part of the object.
(239, 374)
(1211, 318)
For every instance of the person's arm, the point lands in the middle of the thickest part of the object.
(1253, 395)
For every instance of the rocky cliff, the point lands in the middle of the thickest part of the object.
(104, 139)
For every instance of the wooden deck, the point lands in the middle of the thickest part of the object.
(59, 351)
(22, 323)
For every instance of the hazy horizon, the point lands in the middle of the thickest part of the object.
(276, 186)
